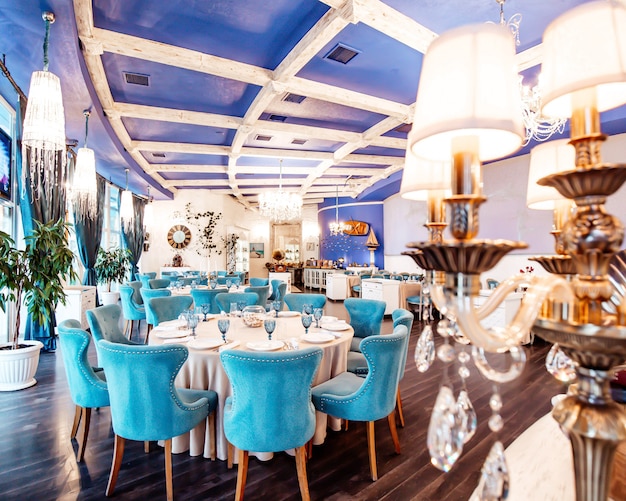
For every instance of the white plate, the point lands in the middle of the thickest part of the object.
(336, 326)
(272, 345)
(328, 319)
(288, 314)
(205, 343)
(170, 325)
(171, 334)
(318, 337)
(178, 340)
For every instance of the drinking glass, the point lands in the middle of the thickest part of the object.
(270, 326)
(276, 306)
(205, 308)
(192, 323)
(213, 284)
(229, 283)
(241, 305)
(306, 322)
(307, 309)
(223, 325)
(194, 284)
(317, 315)
(234, 311)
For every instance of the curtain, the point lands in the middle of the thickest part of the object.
(88, 237)
(132, 235)
(35, 207)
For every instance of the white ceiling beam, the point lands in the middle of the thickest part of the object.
(176, 116)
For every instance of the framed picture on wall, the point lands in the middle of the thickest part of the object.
(257, 250)
(310, 246)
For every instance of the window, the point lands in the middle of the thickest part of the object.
(111, 231)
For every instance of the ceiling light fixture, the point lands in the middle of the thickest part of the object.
(280, 206)
(336, 227)
(84, 189)
(148, 211)
(43, 136)
(538, 127)
(127, 211)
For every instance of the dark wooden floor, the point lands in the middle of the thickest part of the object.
(38, 460)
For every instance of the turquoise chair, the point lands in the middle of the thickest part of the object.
(131, 310)
(278, 294)
(145, 404)
(168, 307)
(88, 387)
(259, 282)
(399, 278)
(221, 273)
(223, 299)
(236, 276)
(144, 277)
(206, 296)
(269, 412)
(262, 291)
(222, 280)
(136, 285)
(148, 294)
(104, 323)
(357, 288)
(348, 396)
(358, 364)
(295, 302)
(159, 283)
(366, 318)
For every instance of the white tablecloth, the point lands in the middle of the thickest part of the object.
(203, 370)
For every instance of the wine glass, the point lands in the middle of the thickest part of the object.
(223, 324)
(241, 305)
(192, 323)
(317, 315)
(234, 309)
(306, 322)
(229, 283)
(270, 326)
(213, 284)
(205, 309)
(276, 305)
(194, 284)
(307, 309)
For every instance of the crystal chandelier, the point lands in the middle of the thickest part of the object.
(84, 192)
(337, 228)
(467, 111)
(127, 211)
(43, 135)
(280, 206)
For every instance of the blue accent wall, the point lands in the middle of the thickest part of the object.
(351, 248)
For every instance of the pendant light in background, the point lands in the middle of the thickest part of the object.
(84, 189)
(127, 212)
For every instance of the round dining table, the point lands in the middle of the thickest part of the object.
(203, 369)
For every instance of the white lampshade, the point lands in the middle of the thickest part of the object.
(469, 87)
(44, 120)
(421, 176)
(546, 159)
(84, 188)
(127, 212)
(585, 48)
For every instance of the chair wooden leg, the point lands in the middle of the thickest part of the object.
(242, 473)
(309, 449)
(146, 446)
(148, 333)
(399, 408)
(130, 332)
(301, 468)
(83, 443)
(371, 447)
(229, 456)
(77, 415)
(169, 482)
(126, 324)
(118, 453)
(391, 418)
(213, 436)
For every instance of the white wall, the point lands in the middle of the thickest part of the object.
(504, 215)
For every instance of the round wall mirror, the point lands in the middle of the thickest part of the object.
(179, 236)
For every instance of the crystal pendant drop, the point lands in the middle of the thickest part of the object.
(444, 440)
(466, 415)
(494, 482)
(425, 350)
(560, 365)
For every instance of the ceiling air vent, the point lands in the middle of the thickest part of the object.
(293, 98)
(158, 155)
(277, 118)
(260, 137)
(137, 79)
(341, 53)
(298, 141)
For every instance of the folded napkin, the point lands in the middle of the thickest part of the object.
(229, 346)
(336, 335)
(177, 340)
(171, 325)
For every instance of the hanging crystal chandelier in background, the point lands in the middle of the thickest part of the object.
(337, 228)
(84, 189)
(280, 206)
(43, 135)
(127, 211)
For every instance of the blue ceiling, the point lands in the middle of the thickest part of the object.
(218, 73)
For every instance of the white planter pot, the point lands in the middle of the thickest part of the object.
(109, 297)
(18, 367)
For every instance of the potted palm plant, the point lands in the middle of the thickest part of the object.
(35, 274)
(111, 266)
